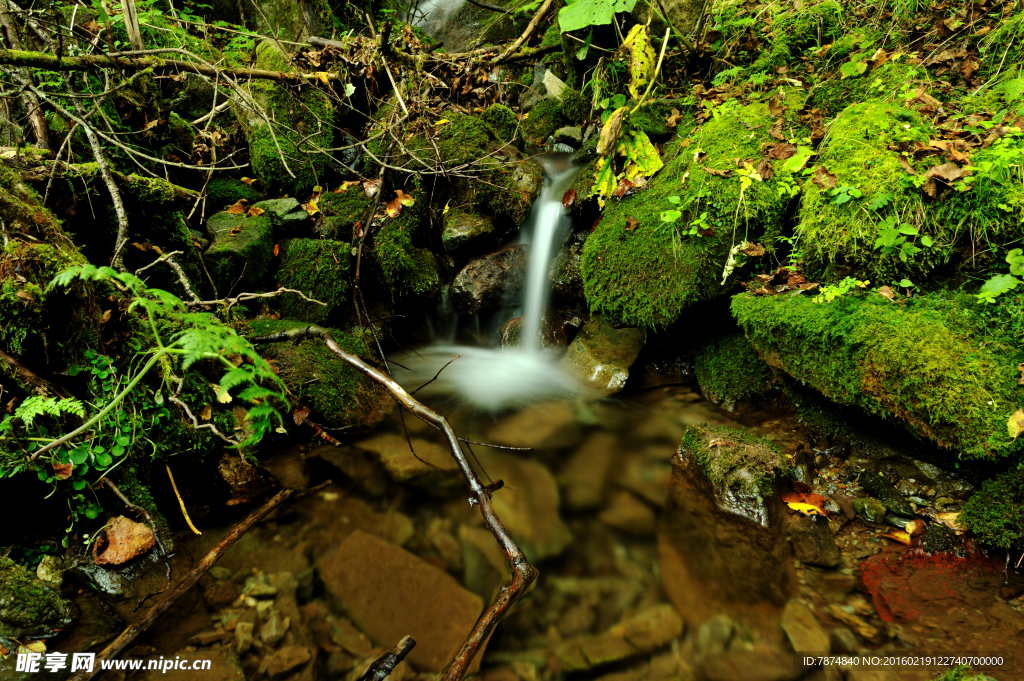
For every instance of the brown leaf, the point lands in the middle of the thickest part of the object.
(898, 535)
(247, 180)
(996, 133)
(765, 170)
(878, 58)
(394, 209)
(718, 173)
(300, 415)
(277, 250)
(371, 187)
(206, 412)
(925, 98)
(105, 317)
(775, 107)
(631, 223)
(887, 292)
(780, 152)
(1015, 425)
(404, 198)
(947, 173)
(610, 132)
(1020, 368)
(776, 130)
(815, 500)
(622, 189)
(254, 212)
(915, 527)
(239, 207)
(63, 470)
(672, 120)
(906, 164)
(124, 539)
(752, 250)
(969, 66)
(25, 295)
(568, 197)
(823, 178)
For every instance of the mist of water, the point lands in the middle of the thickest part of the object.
(493, 379)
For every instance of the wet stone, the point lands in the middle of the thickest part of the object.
(434, 462)
(879, 487)
(243, 637)
(543, 426)
(751, 665)
(224, 666)
(282, 661)
(582, 479)
(571, 135)
(241, 247)
(812, 542)
(490, 282)
(465, 231)
(29, 607)
(602, 355)
(629, 514)
(871, 510)
(275, 626)
(287, 216)
(802, 628)
(832, 585)
(641, 634)
(938, 539)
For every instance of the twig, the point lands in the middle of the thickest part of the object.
(175, 398)
(523, 573)
(231, 302)
(181, 502)
(213, 112)
(526, 34)
(121, 643)
(386, 663)
(173, 264)
(318, 429)
(436, 375)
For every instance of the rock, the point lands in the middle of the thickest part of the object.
(287, 216)
(433, 466)
(334, 514)
(390, 593)
(465, 232)
(714, 635)
(812, 542)
(319, 268)
(870, 509)
(553, 84)
(566, 278)
(484, 563)
(722, 537)
(550, 425)
(28, 607)
(289, 469)
(360, 466)
(648, 477)
(275, 626)
(241, 247)
(641, 634)
(224, 666)
(602, 355)
(288, 658)
(528, 506)
(243, 637)
(802, 628)
(582, 479)
(939, 538)
(832, 585)
(490, 282)
(50, 571)
(847, 615)
(1010, 619)
(877, 486)
(570, 135)
(627, 513)
(533, 95)
(345, 634)
(751, 665)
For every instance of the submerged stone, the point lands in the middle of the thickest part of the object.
(641, 634)
(812, 541)
(602, 355)
(871, 510)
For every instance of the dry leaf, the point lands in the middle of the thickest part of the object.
(879, 58)
(371, 187)
(898, 535)
(906, 164)
(1015, 425)
(776, 130)
(672, 120)
(247, 180)
(765, 169)
(611, 131)
(752, 250)
(823, 178)
(568, 197)
(106, 317)
(239, 207)
(631, 224)
(775, 107)
(781, 152)
(25, 295)
(394, 208)
(915, 527)
(1020, 368)
(808, 497)
(125, 539)
(254, 212)
(922, 96)
(948, 173)
(63, 470)
(404, 198)
(277, 249)
(717, 173)
(622, 188)
(300, 415)
(887, 292)
(949, 519)
(206, 413)
(234, 230)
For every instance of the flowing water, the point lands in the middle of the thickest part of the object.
(494, 379)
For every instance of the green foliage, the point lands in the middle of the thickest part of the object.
(729, 371)
(827, 294)
(1001, 283)
(797, 30)
(574, 106)
(893, 239)
(36, 405)
(995, 513)
(543, 120)
(582, 13)
(921, 361)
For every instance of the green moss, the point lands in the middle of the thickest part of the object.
(342, 212)
(575, 106)
(721, 449)
(885, 83)
(1001, 50)
(645, 275)
(339, 394)
(729, 371)
(222, 192)
(408, 271)
(462, 139)
(299, 114)
(796, 30)
(543, 120)
(652, 118)
(921, 362)
(27, 607)
(502, 121)
(318, 268)
(995, 513)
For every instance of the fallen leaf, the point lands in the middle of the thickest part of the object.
(312, 207)
(371, 187)
(25, 295)
(404, 198)
(807, 497)
(775, 107)
(721, 442)
(568, 197)
(782, 151)
(898, 535)
(1020, 368)
(672, 120)
(776, 130)
(752, 250)
(63, 470)
(948, 173)
(622, 188)
(247, 180)
(394, 209)
(878, 58)
(915, 527)
(1015, 425)
(949, 519)
(922, 96)
(254, 212)
(300, 415)
(765, 170)
(906, 164)
(823, 178)
(887, 292)
(32, 647)
(206, 412)
(239, 207)
(631, 224)
(277, 250)
(124, 539)
(805, 509)
(717, 173)
(610, 132)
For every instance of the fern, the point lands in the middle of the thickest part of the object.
(36, 406)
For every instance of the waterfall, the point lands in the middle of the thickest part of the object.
(492, 378)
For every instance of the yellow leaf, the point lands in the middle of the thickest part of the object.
(311, 207)
(898, 535)
(206, 412)
(32, 647)
(442, 121)
(404, 198)
(611, 131)
(255, 212)
(445, 211)
(949, 519)
(642, 157)
(223, 396)
(1016, 424)
(604, 181)
(641, 63)
(806, 509)
(323, 77)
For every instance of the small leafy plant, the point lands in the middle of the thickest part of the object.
(829, 293)
(1001, 283)
(894, 239)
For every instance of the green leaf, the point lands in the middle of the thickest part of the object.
(79, 455)
(674, 199)
(103, 461)
(1015, 258)
(670, 215)
(581, 53)
(798, 160)
(996, 286)
(583, 13)
(909, 230)
(926, 241)
(79, 484)
(117, 450)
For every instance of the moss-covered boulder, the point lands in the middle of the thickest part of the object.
(729, 372)
(797, 29)
(923, 361)
(465, 233)
(222, 192)
(302, 124)
(642, 271)
(341, 211)
(338, 394)
(995, 513)
(27, 606)
(318, 268)
(410, 271)
(241, 249)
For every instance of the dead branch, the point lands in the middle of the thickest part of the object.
(176, 399)
(241, 297)
(523, 573)
(121, 643)
(386, 663)
(526, 34)
(173, 264)
(39, 385)
(34, 112)
(41, 60)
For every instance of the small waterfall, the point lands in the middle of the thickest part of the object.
(494, 379)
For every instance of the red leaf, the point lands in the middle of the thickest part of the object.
(568, 198)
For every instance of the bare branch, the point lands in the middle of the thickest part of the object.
(386, 663)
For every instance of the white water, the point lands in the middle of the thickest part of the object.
(496, 379)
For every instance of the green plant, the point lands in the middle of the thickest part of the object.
(893, 239)
(1001, 283)
(826, 294)
(841, 195)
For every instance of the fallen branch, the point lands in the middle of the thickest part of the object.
(386, 663)
(231, 302)
(523, 574)
(121, 643)
(526, 34)
(39, 385)
(173, 264)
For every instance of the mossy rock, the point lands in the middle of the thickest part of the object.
(241, 250)
(318, 268)
(342, 211)
(543, 120)
(640, 273)
(796, 30)
(466, 232)
(502, 121)
(575, 106)
(223, 192)
(338, 394)
(27, 606)
(729, 372)
(995, 513)
(305, 114)
(923, 361)
(410, 272)
(885, 83)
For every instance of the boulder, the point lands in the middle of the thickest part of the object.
(241, 248)
(870, 509)
(28, 607)
(602, 355)
(548, 425)
(566, 278)
(287, 216)
(729, 372)
(490, 282)
(812, 542)
(465, 232)
(318, 268)
(390, 593)
(583, 478)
